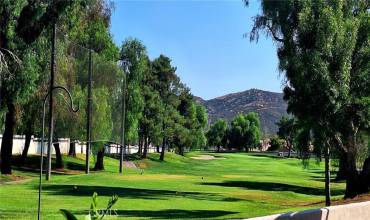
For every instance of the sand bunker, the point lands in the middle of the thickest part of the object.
(206, 157)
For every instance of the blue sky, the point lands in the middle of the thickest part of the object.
(205, 41)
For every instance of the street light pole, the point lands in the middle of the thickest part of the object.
(88, 125)
(51, 100)
(71, 107)
(123, 119)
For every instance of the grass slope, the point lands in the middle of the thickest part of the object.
(234, 186)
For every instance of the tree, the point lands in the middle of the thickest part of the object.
(87, 26)
(253, 135)
(287, 131)
(216, 133)
(200, 139)
(150, 123)
(302, 141)
(237, 133)
(102, 124)
(189, 124)
(167, 84)
(276, 144)
(244, 132)
(133, 54)
(323, 51)
(20, 26)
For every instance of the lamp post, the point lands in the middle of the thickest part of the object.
(51, 100)
(71, 107)
(89, 109)
(123, 116)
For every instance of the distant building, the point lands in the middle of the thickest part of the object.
(265, 144)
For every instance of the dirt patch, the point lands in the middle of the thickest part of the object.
(12, 179)
(142, 165)
(129, 164)
(53, 171)
(207, 157)
(360, 198)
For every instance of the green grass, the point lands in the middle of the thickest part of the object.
(234, 186)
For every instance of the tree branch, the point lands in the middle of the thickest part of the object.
(273, 34)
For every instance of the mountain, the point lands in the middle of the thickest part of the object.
(270, 107)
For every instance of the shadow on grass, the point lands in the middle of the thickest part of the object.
(322, 172)
(74, 166)
(321, 178)
(131, 193)
(32, 165)
(270, 186)
(168, 213)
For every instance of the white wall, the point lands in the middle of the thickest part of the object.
(130, 149)
(64, 143)
(35, 145)
(354, 211)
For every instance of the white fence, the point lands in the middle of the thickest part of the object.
(354, 211)
(35, 145)
(132, 149)
(64, 144)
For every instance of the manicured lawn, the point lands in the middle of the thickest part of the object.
(233, 186)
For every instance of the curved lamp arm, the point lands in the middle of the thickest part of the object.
(73, 109)
(71, 105)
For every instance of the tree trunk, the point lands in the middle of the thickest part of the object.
(289, 148)
(218, 149)
(28, 136)
(341, 174)
(181, 150)
(140, 150)
(352, 181)
(72, 149)
(163, 149)
(327, 176)
(145, 147)
(7, 142)
(99, 165)
(59, 161)
(157, 148)
(365, 177)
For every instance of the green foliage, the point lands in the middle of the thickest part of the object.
(102, 121)
(276, 144)
(363, 142)
(94, 212)
(202, 116)
(244, 131)
(322, 48)
(287, 130)
(198, 134)
(68, 215)
(302, 141)
(22, 23)
(217, 132)
(253, 135)
(133, 54)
